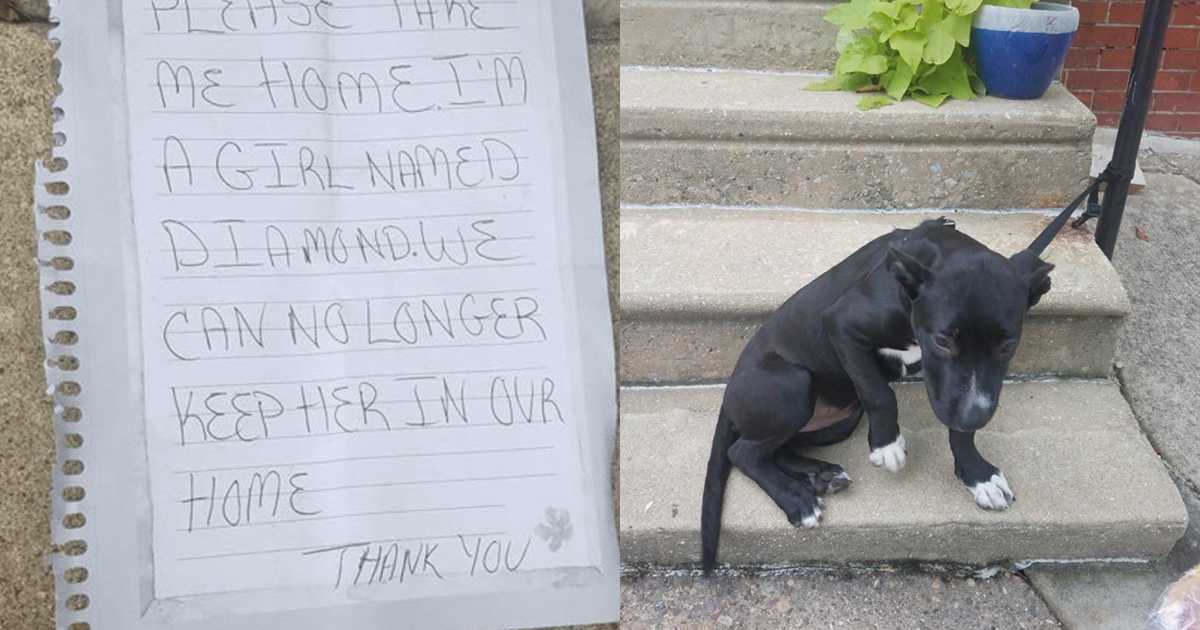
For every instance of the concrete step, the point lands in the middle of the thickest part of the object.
(750, 34)
(1088, 486)
(753, 138)
(697, 282)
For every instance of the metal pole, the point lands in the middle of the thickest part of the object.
(1155, 19)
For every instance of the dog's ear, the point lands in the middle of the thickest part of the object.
(1036, 273)
(909, 271)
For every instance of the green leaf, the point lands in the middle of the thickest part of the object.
(910, 45)
(976, 82)
(867, 45)
(862, 55)
(909, 15)
(932, 100)
(845, 37)
(874, 64)
(874, 101)
(890, 9)
(959, 27)
(832, 84)
(907, 22)
(848, 82)
(851, 14)
(932, 11)
(904, 48)
(1015, 4)
(856, 81)
(940, 44)
(896, 83)
(949, 78)
(939, 47)
(881, 23)
(978, 86)
(963, 7)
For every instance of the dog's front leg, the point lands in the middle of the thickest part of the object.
(878, 399)
(984, 480)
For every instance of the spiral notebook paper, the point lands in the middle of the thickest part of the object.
(326, 316)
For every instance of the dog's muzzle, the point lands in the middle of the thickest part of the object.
(975, 411)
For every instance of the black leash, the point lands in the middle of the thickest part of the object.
(1092, 194)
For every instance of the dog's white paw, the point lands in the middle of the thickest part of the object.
(892, 456)
(993, 494)
(811, 521)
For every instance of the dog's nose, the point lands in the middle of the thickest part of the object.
(977, 410)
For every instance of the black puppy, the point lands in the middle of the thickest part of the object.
(929, 300)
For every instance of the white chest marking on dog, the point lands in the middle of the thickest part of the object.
(993, 494)
(906, 357)
(891, 456)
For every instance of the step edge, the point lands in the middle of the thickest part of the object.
(664, 307)
(1075, 122)
(682, 306)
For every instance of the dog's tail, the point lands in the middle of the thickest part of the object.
(714, 491)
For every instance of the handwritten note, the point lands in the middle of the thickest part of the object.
(355, 343)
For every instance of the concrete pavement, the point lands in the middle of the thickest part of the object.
(855, 601)
(1158, 359)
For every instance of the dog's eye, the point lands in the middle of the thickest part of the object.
(1008, 347)
(945, 344)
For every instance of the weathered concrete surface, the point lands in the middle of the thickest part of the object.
(858, 601)
(603, 56)
(26, 448)
(700, 105)
(603, 18)
(1159, 354)
(752, 34)
(1055, 441)
(1118, 597)
(1160, 357)
(24, 10)
(26, 451)
(697, 283)
(1101, 598)
(743, 138)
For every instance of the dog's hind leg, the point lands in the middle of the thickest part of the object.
(825, 477)
(796, 497)
(768, 404)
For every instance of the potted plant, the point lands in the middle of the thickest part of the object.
(1018, 51)
(922, 49)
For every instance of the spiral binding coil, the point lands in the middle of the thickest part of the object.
(60, 316)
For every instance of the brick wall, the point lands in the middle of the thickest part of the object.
(1097, 67)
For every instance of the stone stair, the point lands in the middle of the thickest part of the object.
(753, 34)
(739, 187)
(751, 138)
(697, 282)
(1058, 444)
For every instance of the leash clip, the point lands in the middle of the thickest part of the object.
(1092, 194)
(1108, 175)
(1093, 211)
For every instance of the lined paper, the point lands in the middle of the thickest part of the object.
(357, 373)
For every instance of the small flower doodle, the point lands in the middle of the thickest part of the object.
(556, 529)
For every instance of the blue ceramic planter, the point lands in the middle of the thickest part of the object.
(1018, 51)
